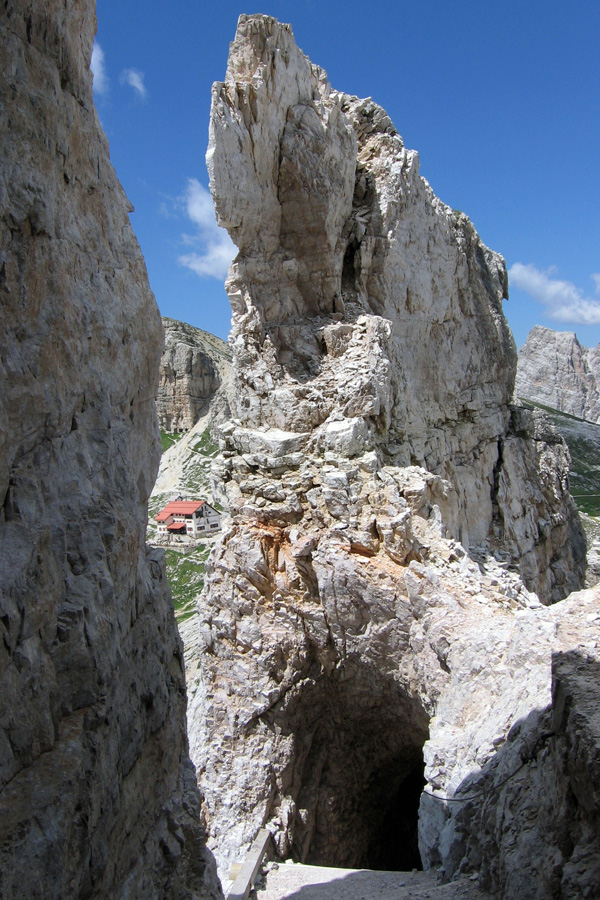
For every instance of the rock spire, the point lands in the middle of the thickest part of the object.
(392, 511)
(367, 315)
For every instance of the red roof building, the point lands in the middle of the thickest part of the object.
(193, 518)
(185, 508)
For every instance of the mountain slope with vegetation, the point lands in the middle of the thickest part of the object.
(184, 471)
(583, 440)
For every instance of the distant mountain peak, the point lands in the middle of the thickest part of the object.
(193, 366)
(555, 370)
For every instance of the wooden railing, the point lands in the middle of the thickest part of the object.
(245, 879)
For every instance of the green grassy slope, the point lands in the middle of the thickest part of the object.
(190, 471)
(583, 439)
(167, 439)
(185, 571)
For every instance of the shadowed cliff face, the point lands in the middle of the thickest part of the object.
(531, 815)
(97, 794)
(366, 612)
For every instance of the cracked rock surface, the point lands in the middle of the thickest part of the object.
(373, 618)
(367, 315)
(193, 366)
(98, 797)
(554, 369)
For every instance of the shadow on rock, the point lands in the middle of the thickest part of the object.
(530, 820)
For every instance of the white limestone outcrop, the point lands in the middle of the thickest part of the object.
(98, 797)
(392, 511)
(554, 369)
(332, 664)
(366, 313)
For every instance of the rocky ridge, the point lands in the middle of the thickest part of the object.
(98, 797)
(185, 465)
(193, 367)
(394, 515)
(555, 370)
(342, 337)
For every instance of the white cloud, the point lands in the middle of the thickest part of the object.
(135, 79)
(596, 278)
(563, 301)
(217, 248)
(100, 80)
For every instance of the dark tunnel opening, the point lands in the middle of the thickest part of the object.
(349, 268)
(357, 773)
(395, 845)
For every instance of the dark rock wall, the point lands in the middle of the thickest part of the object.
(97, 794)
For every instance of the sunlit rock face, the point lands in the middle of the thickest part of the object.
(367, 314)
(193, 366)
(98, 797)
(366, 611)
(529, 818)
(555, 370)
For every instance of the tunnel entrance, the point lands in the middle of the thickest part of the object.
(356, 773)
(349, 268)
(394, 845)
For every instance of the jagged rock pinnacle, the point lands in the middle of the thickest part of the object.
(392, 511)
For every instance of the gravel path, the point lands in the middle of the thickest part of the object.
(298, 882)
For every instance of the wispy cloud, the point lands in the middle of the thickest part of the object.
(216, 247)
(135, 79)
(100, 81)
(563, 301)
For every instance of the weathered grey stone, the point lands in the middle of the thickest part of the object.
(365, 311)
(270, 442)
(97, 793)
(530, 813)
(383, 613)
(193, 367)
(556, 371)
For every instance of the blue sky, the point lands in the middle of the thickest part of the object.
(502, 101)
